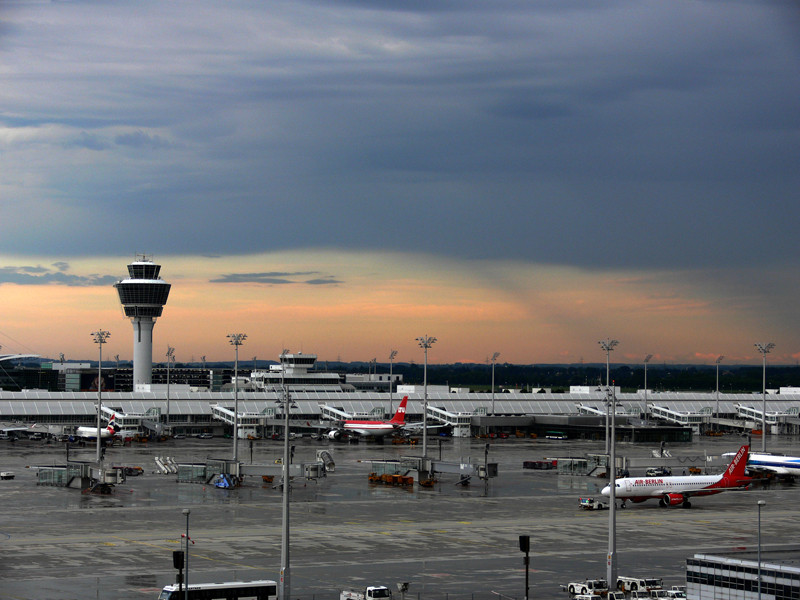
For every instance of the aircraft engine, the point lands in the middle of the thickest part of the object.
(673, 499)
(334, 434)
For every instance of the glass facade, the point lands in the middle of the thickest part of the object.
(725, 578)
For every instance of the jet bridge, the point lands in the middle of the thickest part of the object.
(427, 468)
(687, 419)
(332, 413)
(460, 422)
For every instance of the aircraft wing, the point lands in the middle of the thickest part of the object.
(17, 428)
(769, 469)
(418, 426)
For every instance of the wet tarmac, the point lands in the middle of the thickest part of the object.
(449, 541)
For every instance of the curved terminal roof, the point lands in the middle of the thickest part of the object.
(30, 403)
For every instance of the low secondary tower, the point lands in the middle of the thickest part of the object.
(143, 296)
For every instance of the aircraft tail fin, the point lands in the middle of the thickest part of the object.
(112, 424)
(400, 415)
(734, 474)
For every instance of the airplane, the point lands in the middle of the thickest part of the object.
(372, 428)
(108, 431)
(774, 463)
(672, 491)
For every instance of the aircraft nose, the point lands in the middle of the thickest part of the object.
(606, 491)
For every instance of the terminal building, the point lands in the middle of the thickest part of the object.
(736, 576)
(188, 401)
(191, 407)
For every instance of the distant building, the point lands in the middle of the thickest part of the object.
(734, 576)
(592, 389)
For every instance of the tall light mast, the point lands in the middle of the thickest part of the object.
(392, 355)
(764, 349)
(494, 361)
(100, 337)
(170, 359)
(425, 342)
(143, 296)
(236, 339)
(607, 345)
(646, 360)
(716, 409)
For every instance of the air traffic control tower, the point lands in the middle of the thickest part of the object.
(143, 296)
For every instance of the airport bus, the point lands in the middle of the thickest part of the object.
(262, 589)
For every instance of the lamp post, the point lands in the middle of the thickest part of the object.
(760, 504)
(607, 345)
(764, 349)
(186, 512)
(170, 357)
(100, 337)
(236, 340)
(392, 354)
(612, 497)
(425, 342)
(285, 581)
(494, 361)
(716, 408)
(646, 360)
(525, 546)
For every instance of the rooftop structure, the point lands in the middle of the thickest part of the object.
(294, 372)
(143, 296)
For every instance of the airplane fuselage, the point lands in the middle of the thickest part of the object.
(373, 428)
(672, 491)
(639, 489)
(781, 465)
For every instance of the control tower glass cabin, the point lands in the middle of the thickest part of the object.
(143, 296)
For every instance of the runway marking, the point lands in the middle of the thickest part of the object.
(191, 555)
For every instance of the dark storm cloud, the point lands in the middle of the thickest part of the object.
(38, 275)
(613, 135)
(277, 278)
(140, 139)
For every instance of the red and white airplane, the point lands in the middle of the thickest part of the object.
(373, 428)
(672, 491)
(108, 431)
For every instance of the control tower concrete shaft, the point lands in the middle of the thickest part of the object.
(143, 296)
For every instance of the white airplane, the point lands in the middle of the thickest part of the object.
(373, 428)
(672, 491)
(774, 463)
(108, 431)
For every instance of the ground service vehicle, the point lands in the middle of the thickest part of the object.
(589, 586)
(643, 584)
(261, 589)
(588, 597)
(658, 472)
(659, 594)
(592, 504)
(676, 595)
(372, 592)
(616, 596)
(640, 595)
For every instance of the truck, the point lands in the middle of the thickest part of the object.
(371, 592)
(588, 586)
(642, 584)
(592, 504)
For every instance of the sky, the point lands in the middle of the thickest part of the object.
(342, 177)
